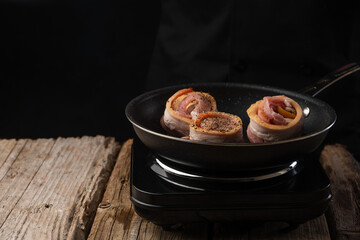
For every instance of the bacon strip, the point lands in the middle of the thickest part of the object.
(268, 125)
(184, 106)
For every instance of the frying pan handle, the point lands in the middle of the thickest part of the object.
(330, 79)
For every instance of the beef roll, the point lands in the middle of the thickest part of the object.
(183, 107)
(217, 127)
(274, 118)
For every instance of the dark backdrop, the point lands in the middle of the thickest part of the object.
(68, 68)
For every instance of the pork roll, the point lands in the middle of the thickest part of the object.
(217, 127)
(183, 107)
(274, 118)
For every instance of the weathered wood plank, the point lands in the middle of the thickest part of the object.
(51, 188)
(116, 218)
(21, 163)
(7, 148)
(115, 210)
(344, 211)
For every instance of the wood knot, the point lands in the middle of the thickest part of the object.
(48, 205)
(12, 174)
(87, 207)
(106, 204)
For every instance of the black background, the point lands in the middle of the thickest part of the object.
(68, 68)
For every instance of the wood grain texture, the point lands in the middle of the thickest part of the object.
(116, 218)
(50, 188)
(344, 211)
(114, 214)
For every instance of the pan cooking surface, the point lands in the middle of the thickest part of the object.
(147, 109)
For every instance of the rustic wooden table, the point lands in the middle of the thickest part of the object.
(78, 188)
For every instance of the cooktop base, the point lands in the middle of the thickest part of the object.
(294, 197)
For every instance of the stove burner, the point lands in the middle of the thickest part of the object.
(210, 180)
(171, 170)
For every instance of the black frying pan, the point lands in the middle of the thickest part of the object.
(146, 110)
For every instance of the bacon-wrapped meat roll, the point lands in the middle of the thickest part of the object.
(273, 119)
(217, 127)
(184, 106)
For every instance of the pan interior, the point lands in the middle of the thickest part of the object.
(146, 110)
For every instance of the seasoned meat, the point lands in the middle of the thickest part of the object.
(273, 119)
(184, 106)
(217, 127)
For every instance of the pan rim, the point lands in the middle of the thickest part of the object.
(227, 84)
(301, 138)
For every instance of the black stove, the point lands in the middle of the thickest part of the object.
(167, 194)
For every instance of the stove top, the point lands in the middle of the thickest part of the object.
(168, 194)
